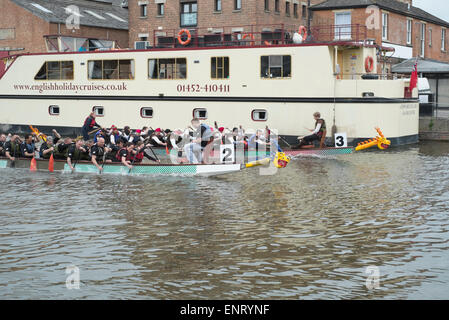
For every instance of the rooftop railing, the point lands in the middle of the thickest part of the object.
(250, 35)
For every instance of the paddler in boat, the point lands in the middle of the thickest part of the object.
(98, 152)
(28, 147)
(75, 153)
(89, 124)
(12, 148)
(48, 147)
(124, 155)
(317, 133)
(2, 145)
(200, 137)
(156, 138)
(62, 149)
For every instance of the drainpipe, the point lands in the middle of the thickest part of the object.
(308, 18)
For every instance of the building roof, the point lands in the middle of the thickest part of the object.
(99, 13)
(390, 5)
(424, 66)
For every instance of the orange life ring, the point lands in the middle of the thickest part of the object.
(369, 64)
(189, 37)
(246, 35)
(302, 30)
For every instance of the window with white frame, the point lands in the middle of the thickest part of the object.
(409, 31)
(430, 37)
(200, 113)
(384, 26)
(343, 29)
(443, 39)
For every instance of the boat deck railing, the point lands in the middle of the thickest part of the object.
(260, 35)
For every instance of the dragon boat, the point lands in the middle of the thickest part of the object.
(144, 169)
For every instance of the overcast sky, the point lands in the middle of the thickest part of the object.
(439, 8)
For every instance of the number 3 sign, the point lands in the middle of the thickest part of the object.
(227, 154)
(341, 140)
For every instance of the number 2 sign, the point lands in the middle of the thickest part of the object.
(341, 140)
(227, 154)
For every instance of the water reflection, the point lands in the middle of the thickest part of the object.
(308, 232)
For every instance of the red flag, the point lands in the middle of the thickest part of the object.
(33, 165)
(51, 163)
(414, 78)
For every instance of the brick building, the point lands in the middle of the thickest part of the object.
(168, 17)
(40, 25)
(411, 31)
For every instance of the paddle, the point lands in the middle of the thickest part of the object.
(104, 160)
(79, 156)
(132, 163)
(94, 131)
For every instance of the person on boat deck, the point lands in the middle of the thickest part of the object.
(27, 148)
(2, 145)
(12, 148)
(317, 133)
(124, 155)
(89, 124)
(75, 152)
(98, 153)
(200, 138)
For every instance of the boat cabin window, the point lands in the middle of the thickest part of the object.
(275, 66)
(146, 112)
(99, 111)
(219, 68)
(200, 113)
(259, 115)
(111, 69)
(53, 110)
(55, 70)
(172, 68)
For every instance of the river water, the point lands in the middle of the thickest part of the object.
(315, 230)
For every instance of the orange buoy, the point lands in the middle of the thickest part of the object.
(369, 64)
(246, 35)
(189, 37)
(303, 32)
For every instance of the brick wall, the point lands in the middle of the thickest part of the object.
(29, 29)
(252, 13)
(397, 31)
